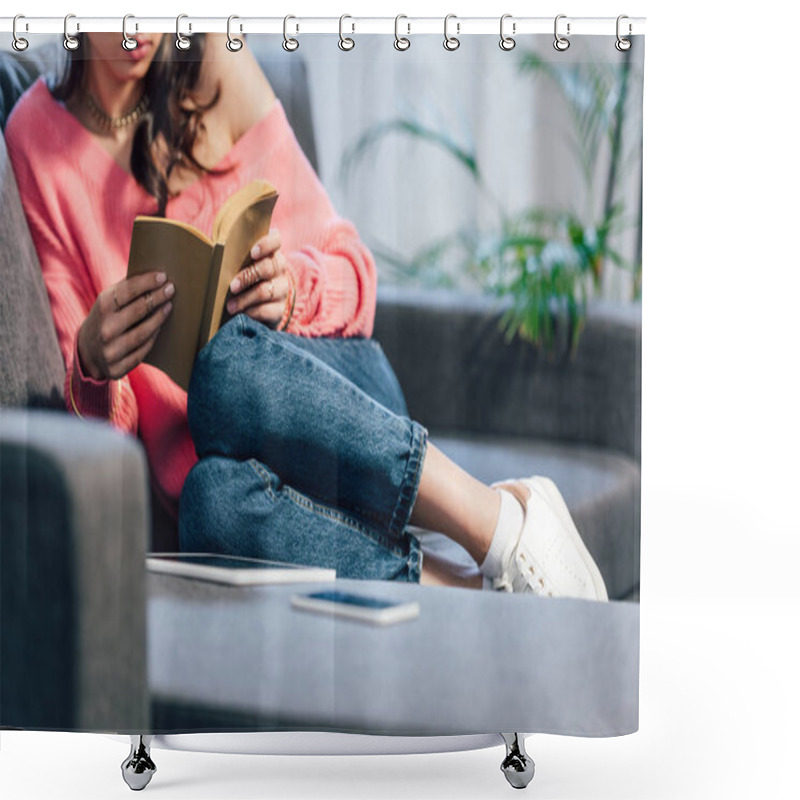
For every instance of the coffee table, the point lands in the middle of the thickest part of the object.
(242, 659)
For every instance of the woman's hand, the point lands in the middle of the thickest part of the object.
(261, 289)
(123, 325)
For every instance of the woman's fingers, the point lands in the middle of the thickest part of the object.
(268, 263)
(125, 292)
(133, 339)
(121, 368)
(268, 313)
(263, 269)
(266, 245)
(269, 297)
(123, 318)
(138, 309)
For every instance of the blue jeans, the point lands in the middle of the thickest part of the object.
(306, 452)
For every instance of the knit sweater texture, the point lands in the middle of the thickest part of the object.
(80, 205)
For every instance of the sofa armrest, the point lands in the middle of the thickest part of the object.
(74, 521)
(459, 374)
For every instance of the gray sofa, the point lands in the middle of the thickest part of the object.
(76, 514)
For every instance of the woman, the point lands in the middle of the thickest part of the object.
(306, 453)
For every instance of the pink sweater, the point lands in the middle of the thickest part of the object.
(80, 205)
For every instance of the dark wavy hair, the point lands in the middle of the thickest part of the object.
(174, 113)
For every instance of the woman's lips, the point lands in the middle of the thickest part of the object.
(142, 49)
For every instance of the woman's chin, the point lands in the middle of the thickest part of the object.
(126, 70)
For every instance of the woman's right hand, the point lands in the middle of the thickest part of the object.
(123, 325)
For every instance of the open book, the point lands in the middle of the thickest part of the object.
(201, 270)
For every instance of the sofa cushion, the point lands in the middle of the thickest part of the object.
(31, 365)
(601, 489)
(459, 373)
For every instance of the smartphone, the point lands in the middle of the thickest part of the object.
(358, 607)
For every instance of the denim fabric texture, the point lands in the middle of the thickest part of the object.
(306, 452)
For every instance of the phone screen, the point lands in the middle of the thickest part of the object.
(334, 596)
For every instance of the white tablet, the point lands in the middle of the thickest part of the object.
(235, 570)
(359, 607)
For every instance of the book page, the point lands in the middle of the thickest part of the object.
(246, 230)
(237, 203)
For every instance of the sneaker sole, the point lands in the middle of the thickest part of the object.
(544, 486)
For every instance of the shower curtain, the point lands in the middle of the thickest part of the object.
(467, 220)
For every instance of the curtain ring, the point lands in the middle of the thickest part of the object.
(507, 42)
(345, 42)
(127, 42)
(451, 42)
(401, 42)
(622, 44)
(182, 42)
(233, 44)
(289, 44)
(71, 43)
(19, 44)
(561, 43)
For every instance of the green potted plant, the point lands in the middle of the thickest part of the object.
(546, 262)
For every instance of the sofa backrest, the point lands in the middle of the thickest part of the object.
(31, 366)
(460, 376)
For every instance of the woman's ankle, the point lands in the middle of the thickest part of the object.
(505, 536)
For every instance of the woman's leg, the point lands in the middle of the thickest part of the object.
(450, 500)
(259, 394)
(243, 508)
(324, 436)
(213, 509)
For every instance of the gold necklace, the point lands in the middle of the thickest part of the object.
(109, 123)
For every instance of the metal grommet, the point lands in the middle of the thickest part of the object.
(70, 42)
(182, 42)
(451, 42)
(623, 44)
(507, 42)
(561, 43)
(233, 44)
(289, 44)
(19, 44)
(345, 42)
(401, 42)
(127, 42)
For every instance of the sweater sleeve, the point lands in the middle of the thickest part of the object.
(334, 272)
(68, 283)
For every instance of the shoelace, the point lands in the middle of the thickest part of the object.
(528, 578)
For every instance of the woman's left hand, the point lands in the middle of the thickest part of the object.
(261, 289)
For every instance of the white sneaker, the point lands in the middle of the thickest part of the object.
(550, 558)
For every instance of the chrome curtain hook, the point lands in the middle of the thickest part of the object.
(507, 42)
(71, 43)
(451, 42)
(182, 42)
(19, 44)
(401, 42)
(561, 43)
(289, 44)
(233, 44)
(345, 42)
(128, 43)
(623, 44)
